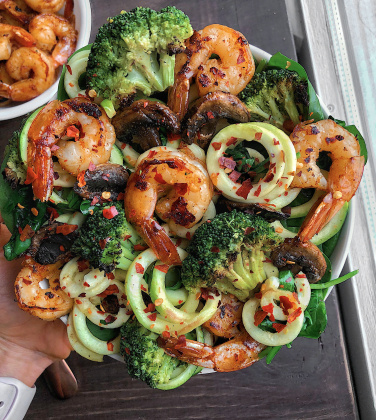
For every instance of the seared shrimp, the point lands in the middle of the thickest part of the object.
(10, 35)
(238, 353)
(54, 34)
(80, 118)
(227, 319)
(45, 6)
(48, 304)
(175, 186)
(33, 71)
(231, 72)
(345, 172)
(14, 10)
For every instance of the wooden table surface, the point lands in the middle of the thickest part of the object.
(309, 381)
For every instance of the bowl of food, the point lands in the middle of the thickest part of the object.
(180, 197)
(41, 39)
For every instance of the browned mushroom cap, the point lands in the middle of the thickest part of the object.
(223, 205)
(49, 246)
(211, 107)
(296, 256)
(104, 182)
(138, 124)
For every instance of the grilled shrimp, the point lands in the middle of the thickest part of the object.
(345, 172)
(93, 135)
(45, 6)
(16, 14)
(54, 34)
(11, 35)
(48, 304)
(174, 185)
(33, 72)
(231, 72)
(237, 353)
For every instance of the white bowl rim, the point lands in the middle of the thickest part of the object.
(84, 31)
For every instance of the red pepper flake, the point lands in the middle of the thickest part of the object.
(26, 233)
(267, 260)
(110, 319)
(100, 312)
(259, 317)
(151, 154)
(78, 302)
(258, 191)
(294, 315)
(216, 145)
(182, 342)
(300, 276)
(269, 309)
(34, 211)
(126, 349)
(139, 247)
(166, 334)
(180, 302)
(205, 293)
(279, 327)
(69, 69)
(244, 189)
(110, 213)
(210, 115)
(225, 162)
(258, 136)
(92, 167)
(62, 249)
(66, 229)
(110, 276)
(231, 140)
(181, 188)
(81, 179)
(240, 58)
(86, 284)
(143, 288)
(139, 269)
(258, 295)
(94, 201)
(153, 317)
(214, 249)
(82, 265)
(120, 196)
(234, 176)
(110, 346)
(150, 308)
(73, 131)
(188, 235)
(248, 230)
(112, 289)
(30, 176)
(286, 304)
(162, 267)
(275, 142)
(158, 177)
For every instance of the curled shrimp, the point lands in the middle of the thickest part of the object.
(45, 6)
(344, 176)
(93, 134)
(231, 72)
(15, 11)
(32, 71)
(48, 304)
(54, 34)
(11, 35)
(237, 353)
(174, 185)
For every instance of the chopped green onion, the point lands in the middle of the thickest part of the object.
(108, 106)
(334, 282)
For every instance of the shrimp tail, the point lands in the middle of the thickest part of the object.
(157, 238)
(5, 90)
(43, 174)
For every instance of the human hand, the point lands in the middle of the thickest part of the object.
(27, 344)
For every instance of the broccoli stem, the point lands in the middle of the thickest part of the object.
(148, 65)
(167, 63)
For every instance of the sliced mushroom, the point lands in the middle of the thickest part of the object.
(138, 124)
(210, 108)
(296, 256)
(270, 215)
(48, 247)
(104, 182)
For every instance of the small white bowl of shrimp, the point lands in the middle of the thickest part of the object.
(41, 37)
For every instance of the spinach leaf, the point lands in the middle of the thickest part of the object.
(286, 281)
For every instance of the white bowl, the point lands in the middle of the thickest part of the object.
(82, 12)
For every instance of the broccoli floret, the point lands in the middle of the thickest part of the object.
(277, 96)
(15, 169)
(106, 239)
(136, 51)
(227, 252)
(144, 359)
